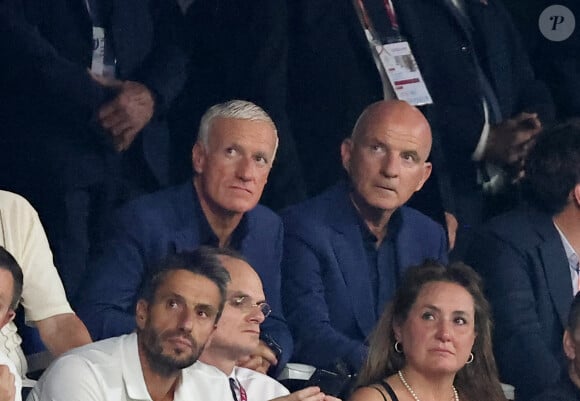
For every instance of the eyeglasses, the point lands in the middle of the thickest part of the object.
(245, 303)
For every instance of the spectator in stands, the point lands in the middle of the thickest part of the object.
(529, 261)
(345, 250)
(235, 338)
(10, 293)
(434, 341)
(43, 297)
(568, 387)
(176, 314)
(232, 158)
(82, 110)
(238, 50)
(486, 104)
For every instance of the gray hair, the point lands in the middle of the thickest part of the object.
(239, 109)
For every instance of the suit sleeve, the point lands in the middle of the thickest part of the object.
(275, 325)
(164, 69)
(109, 292)
(532, 94)
(317, 342)
(523, 357)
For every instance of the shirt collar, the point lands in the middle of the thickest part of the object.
(133, 371)
(206, 233)
(570, 252)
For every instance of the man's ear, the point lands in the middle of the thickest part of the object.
(569, 345)
(8, 317)
(198, 157)
(345, 153)
(576, 194)
(427, 169)
(141, 313)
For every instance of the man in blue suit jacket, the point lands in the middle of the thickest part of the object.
(232, 158)
(345, 250)
(528, 259)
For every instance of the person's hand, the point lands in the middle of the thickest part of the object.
(7, 388)
(307, 394)
(510, 141)
(126, 115)
(452, 225)
(260, 360)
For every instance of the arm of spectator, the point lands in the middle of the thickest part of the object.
(7, 385)
(163, 71)
(260, 360)
(108, 293)
(523, 356)
(509, 141)
(61, 333)
(127, 113)
(307, 394)
(452, 226)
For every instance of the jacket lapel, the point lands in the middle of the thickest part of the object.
(352, 262)
(556, 268)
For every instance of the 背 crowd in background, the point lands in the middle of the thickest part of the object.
(218, 193)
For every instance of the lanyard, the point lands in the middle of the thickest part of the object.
(372, 14)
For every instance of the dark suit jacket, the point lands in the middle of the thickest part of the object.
(333, 77)
(151, 228)
(527, 280)
(48, 97)
(326, 298)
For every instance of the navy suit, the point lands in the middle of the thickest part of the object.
(326, 293)
(51, 145)
(154, 226)
(528, 282)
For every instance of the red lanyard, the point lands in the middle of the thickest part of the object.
(391, 14)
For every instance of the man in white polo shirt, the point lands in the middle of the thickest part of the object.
(176, 314)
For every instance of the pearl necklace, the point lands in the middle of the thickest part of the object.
(408, 387)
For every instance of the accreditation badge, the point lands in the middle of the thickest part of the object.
(98, 61)
(403, 72)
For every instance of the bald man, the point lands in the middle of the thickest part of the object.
(345, 250)
(235, 339)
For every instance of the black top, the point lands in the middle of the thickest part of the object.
(388, 389)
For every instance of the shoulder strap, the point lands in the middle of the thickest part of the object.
(389, 390)
(380, 392)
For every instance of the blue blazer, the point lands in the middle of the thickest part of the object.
(527, 280)
(326, 298)
(150, 228)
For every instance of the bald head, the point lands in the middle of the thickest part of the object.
(395, 115)
(241, 273)
(386, 156)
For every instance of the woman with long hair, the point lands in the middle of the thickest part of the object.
(433, 343)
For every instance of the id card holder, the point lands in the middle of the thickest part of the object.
(98, 60)
(403, 72)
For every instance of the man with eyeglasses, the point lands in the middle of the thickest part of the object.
(177, 312)
(217, 374)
